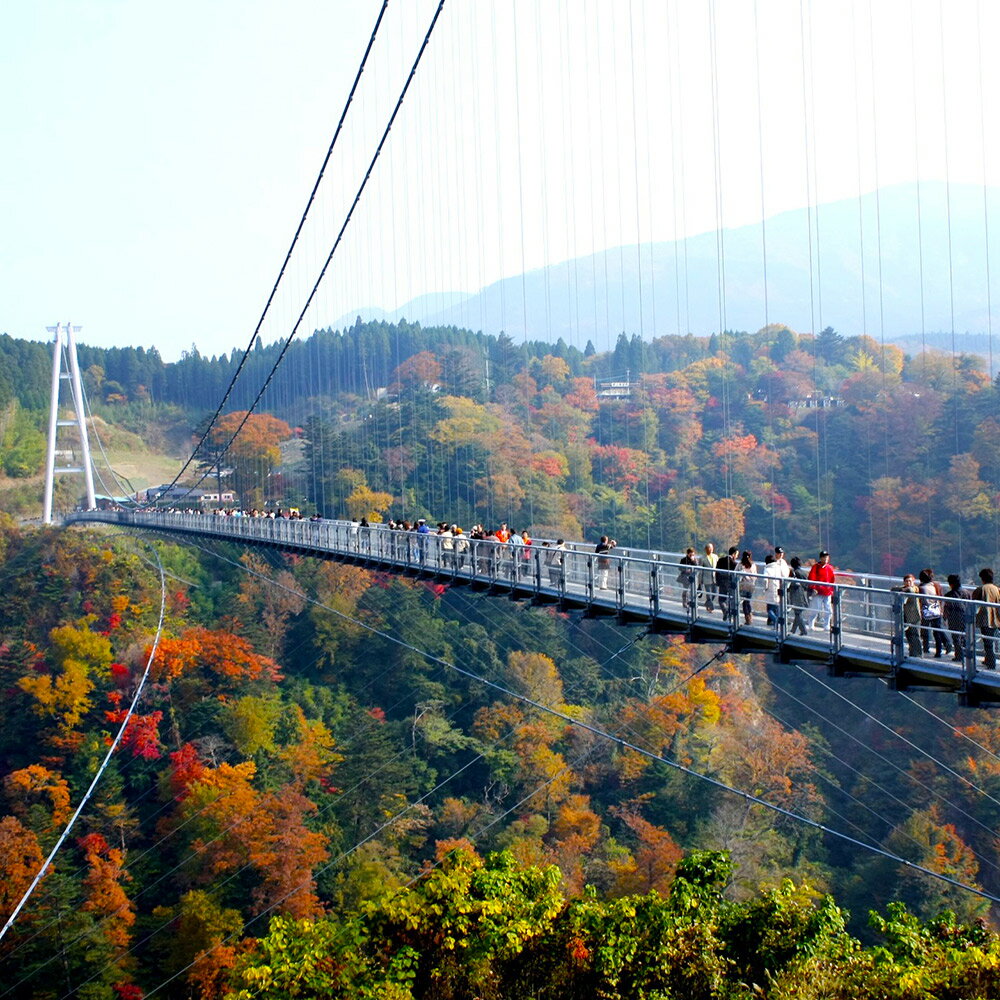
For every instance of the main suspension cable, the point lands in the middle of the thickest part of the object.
(336, 244)
(291, 248)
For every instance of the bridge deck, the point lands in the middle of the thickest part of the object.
(867, 634)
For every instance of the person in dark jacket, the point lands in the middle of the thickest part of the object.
(798, 596)
(954, 614)
(725, 581)
(687, 577)
(603, 550)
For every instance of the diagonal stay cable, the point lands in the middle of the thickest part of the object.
(948, 725)
(627, 745)
(900, 736)
(333, 249)
(107, 759)
(888, 762)
(291, 248)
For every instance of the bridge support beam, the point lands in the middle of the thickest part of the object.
(64, 343)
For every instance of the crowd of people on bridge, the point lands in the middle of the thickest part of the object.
(731, 582)
(734, 583)
(930, 613)
(459, 547)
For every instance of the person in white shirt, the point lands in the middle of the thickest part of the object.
(779, 558)
(776, 570)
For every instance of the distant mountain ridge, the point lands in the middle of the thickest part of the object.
(923, 271)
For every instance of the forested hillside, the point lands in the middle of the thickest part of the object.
(310, 801)
(815, 442)
(887, 459)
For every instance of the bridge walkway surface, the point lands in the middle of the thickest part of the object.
(867, 636)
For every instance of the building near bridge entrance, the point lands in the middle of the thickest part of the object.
(185, 496)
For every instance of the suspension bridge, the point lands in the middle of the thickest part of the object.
(867, 634)
(619, 74)
(599, 213)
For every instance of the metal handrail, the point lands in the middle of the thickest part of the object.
(877, 620)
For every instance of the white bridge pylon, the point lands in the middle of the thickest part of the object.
(66, 368)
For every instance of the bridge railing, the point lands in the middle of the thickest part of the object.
(882, 621)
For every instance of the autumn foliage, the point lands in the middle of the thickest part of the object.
(302, 805)
(228, 657)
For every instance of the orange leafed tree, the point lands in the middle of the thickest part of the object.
(259, 438)
(652, 865)
(26, 786)
(583, 395)
(253, 455)
(20, 859)
(422, 371)
(668, 723)
(222, 809)
(576, 830)
(619, 467)
(287, 856)
(539, 765)
(767, 757)
(722, 520)
(235, 826)
(104, 895)
(228, 656)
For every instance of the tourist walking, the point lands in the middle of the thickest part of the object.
(954, 614)
(798, 596)
(910, 611)
(821, 579)
(687, 578)
(932, 615)
(747, 574)
(988, 616)
(709, 560)
(725, 579)
(775, 571)
(604, 546)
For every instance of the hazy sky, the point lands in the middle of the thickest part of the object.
(156, 159)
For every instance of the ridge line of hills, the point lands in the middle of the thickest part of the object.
(902, 286)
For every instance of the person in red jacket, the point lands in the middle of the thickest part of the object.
(821, 579)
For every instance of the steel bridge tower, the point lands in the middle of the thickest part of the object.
(66, 368)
